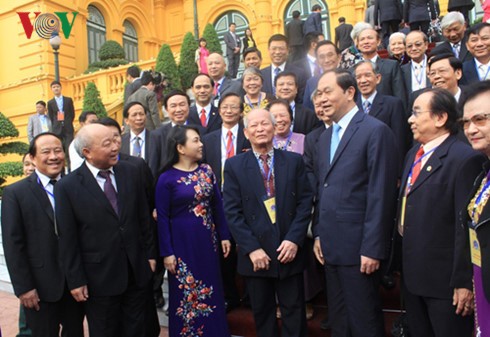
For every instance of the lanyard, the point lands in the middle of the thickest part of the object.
(55, 226)
(479, 197)
(269, 174)
(249, 102)
(478, 72)
(421, 73)
(44, 188)
(288, 140)
(409, 179)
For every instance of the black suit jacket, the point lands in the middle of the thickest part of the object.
(305, 120)
(431, 218)
(387, 10)
(214, 122)
(64, 129)
(445, 48)
(98, 246)
(248, 219)
(310, 156)
(294, 32)
(407, 77)
(125, 144)
(343, 40)
(29, 240)
(212, 150)
(416, 10)
(470, 73)
(300, 75)
(391, 79)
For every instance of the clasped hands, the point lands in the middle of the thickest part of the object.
(261, 261)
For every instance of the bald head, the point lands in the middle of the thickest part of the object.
(216, 66)
(97, 144)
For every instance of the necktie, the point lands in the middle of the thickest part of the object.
(230, 151)
(276, 72)
(53, 181)
(203, 118)
(268, 183)
(335, 140)
(137, 147)
(109, 190)
(456, 49)
(367, 107)
(216, 89)
(418, 165)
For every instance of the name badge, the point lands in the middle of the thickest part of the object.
(216, 101)
(61, 116)
(270, 205)
(475, 248)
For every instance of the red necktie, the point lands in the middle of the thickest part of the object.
(216, 87)
(418, 165)
(203, 118)
(230, 151)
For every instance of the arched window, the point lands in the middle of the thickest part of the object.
(304, 7)
(222, 26)
(130, 42)
(96, 33)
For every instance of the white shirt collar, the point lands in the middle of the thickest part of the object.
(312, 59)
(234, 131)
(458, 94)
(142, 135)
(422, 63)
(95, 171)
(344, 121)
(207, 108)
(478, 64)
(370, 98)
(44, 178)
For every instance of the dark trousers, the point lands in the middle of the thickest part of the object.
(228, 275)
(233, 64)
(152, 325)
(296, 53)
(435, 317)
(290, 296)
(387, 28)
(46, 322)
(423, 26)
(118, 316)
(354, 306)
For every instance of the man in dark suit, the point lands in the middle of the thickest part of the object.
(30, 239)
(418, 14)
(233, 46)
(314, 21)
(220, 145)
(343, 40)
(110, 274)
(268, 207)
(278, 52)
(136, 142)
(392, 84)
(294, 33)
(222, 84)
(304, 119)
(177, 104)
(203, 113)
(61, 112)
(357, 170)
(453, 28)
(415, 72)
(389, 14)
(436, 181)
(477, 69)
(308, 62)
(146, 96)
(388, 109)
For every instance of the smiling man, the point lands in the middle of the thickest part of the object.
(478, 44)
(136, 142)
(415, 72)
(203, 113)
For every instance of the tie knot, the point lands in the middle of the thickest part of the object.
(137, 138)
(229, 134)
(336, 128)
(53, 181)
(419, 153)
(277, 71)
(105, 174)
(264, 157)
(203, 111)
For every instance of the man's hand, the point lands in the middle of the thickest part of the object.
(170, 263)
(369, 265)
(30, 299)
(154, 213)
(317, 250)
(463, 300)
(153, 264)
(237, 50)
(80, 294)
(260, 259)
(226, 247)
(287, 251)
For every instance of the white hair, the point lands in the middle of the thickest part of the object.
(358, 28)
(451, 18)
(271, 117)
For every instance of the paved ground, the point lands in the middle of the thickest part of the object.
(9, 315)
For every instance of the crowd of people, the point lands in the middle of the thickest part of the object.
(332, 168)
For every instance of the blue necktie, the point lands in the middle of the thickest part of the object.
(367, 107)
(335, 140)
(137, 147)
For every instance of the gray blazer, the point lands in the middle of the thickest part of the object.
(34, 126)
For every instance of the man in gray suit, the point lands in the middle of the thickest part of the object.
(294, 33)
(39, 122)
(222, 84)
(233, 45)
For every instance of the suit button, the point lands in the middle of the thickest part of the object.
(325, 185)
(121, 229)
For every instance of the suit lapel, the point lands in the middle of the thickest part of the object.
(40, 194)
(122, 189)
(213, 117)
(255, 178)
(280, 176)
(241, 141)
(377, 106)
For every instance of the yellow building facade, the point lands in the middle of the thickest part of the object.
(141, 26)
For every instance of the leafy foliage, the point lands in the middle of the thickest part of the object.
(92, 100)
(7, 128)
(14, 147)
(111, 50)
(98, 65)
(166, 64)
(188, 66)
(212, 39)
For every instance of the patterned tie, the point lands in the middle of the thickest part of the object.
(109, 190)
(418, 165)
(367, 107)
(268, 183)
(230, 150)
(216, 89)
(203, 118)
(137, 147)
(335, 140)
(276, 72)
(456, 49)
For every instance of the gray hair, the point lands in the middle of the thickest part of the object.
(358, 28)
(252, 71)
(451, 18)
(373, 65)
(82, 140)
(271, 117)
(398, 34)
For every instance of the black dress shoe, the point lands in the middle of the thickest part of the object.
(325, 324)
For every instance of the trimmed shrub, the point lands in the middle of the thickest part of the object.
(212, 39)
(188, 66)
(111, 50)
(166, 64)
(92, 100)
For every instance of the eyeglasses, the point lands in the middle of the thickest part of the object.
(229, 107)
(478, 120)
(417, 113)
(441, 72)
(416, 45)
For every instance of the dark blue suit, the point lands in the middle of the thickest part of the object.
(252, 229)
(214, 121)
(391, 79)
(313, 24)
(356, 201)
(431, 235)
(470, 73)
(311, 85)
(300, 76)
